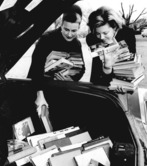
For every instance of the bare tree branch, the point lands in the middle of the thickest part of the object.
(128, 16)
(123, 12)
(142, 13)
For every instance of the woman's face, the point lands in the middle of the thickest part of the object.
(105, 33)
(69, 30)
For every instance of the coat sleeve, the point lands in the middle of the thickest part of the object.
(36, 72)
(97, 75)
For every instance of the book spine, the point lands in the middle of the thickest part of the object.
(59, 143)
(45, 119)
(21, 154)
(96, 143)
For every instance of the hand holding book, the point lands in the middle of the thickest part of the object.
(108, 60)
(62, 77)
(40, 100)
(66, 74)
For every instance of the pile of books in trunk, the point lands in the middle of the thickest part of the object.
(129, 72)
(71, 146)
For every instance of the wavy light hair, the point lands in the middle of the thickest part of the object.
(104, 15)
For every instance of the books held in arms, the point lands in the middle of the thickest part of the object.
(133, 61)
(58, 65)
(128, 83)
(123, 53)
(128, 73)
(101, 50)
(118, 49)
(131, 73)
(62, 63)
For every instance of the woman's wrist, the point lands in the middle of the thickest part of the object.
(40, 94)
(107, 70)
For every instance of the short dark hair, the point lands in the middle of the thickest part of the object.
(72, 14)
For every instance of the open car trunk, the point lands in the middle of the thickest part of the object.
(91, 108)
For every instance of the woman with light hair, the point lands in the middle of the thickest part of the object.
(107, 27)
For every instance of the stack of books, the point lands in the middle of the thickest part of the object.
(128, 68)
(18, 150)
(123, 53)
(128, 73)
(62, 63)
(71, 146)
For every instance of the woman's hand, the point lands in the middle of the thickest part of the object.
(40, 101)
(67, 75)
(61, 77)
(108, 60)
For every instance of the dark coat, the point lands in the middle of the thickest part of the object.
(97, 74)
(51, 41)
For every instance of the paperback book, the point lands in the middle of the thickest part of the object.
(133, 72)
(100, 51)
(126, 83)
(62, 63)
(118, 49)
(45, 119)
(23, 128)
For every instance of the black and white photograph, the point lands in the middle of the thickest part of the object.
(79, 65)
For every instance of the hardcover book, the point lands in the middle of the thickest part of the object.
(41, 142)
(15, 145)
(68, 140)
(118, 49)
(58, 65)
(94, 163)
(55, 55)
(23, 128)
(42, 159)
(58, 142)
(132, 60)
(97, 154)
(100, 51)
(62, 62)
(29, 159)
(133, 72)
(123, 52)
(129, 83)
(101, 47)
(97, 142)
(72, 146)
(33, 140)
(25, 152)
(73, 133)
(84, 136)
(65, 158)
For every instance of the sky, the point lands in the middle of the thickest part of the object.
(139, 5)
